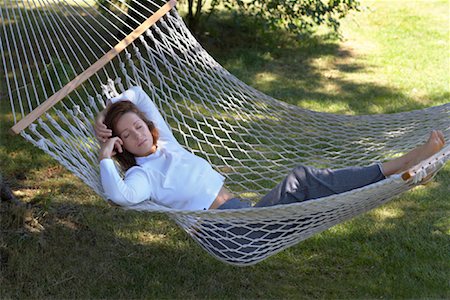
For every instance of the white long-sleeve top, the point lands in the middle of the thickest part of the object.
(171, 177)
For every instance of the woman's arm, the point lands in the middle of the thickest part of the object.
(110, 147)
(131, 190)
(101, 131)
(137, 95)
(125, 192)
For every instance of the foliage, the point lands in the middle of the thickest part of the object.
(138, 10)
(296, 16)
(400, 250)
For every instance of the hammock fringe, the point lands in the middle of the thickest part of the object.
(213, 114)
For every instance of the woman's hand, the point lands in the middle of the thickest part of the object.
(111, 147)
(101, 131)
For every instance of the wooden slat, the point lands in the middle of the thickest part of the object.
(77, 81)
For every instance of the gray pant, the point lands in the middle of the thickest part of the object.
(229, 241)
(306, 183)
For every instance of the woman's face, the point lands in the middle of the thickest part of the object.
(135, 134)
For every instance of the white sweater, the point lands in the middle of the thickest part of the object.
(171, 177)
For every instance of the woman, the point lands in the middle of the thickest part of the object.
(158, 170)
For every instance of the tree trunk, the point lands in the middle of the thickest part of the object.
(193, 18)
(6, 193)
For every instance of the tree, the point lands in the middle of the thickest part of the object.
(296, 16)
(138, 10)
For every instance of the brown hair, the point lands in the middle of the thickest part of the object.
(113, 114)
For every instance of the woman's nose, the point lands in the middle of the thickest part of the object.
(137, 134)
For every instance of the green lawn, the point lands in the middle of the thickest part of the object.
(393, 56)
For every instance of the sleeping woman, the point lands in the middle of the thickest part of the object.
(160, 172)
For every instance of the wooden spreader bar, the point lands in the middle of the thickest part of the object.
(77, 81)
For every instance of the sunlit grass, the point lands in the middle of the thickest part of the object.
(394, 57)
(411, 49)
(391, 50)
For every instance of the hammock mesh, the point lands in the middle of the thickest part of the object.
(249, 137)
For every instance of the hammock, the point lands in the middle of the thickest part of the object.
(83, 55)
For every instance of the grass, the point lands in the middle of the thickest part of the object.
(362, 74)
(393, 57)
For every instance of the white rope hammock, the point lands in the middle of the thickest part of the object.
(250, 138)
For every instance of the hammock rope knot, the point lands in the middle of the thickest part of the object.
(249, 137)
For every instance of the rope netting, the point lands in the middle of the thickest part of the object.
(250, 138)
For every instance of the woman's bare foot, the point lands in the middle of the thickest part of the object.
(434, 144)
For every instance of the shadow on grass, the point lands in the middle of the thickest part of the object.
(95, 251)
(18, 158)
(398, 250)
(284, 67)
(313, 69)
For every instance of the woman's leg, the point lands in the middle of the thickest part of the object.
(433, 145)
(305, 183)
